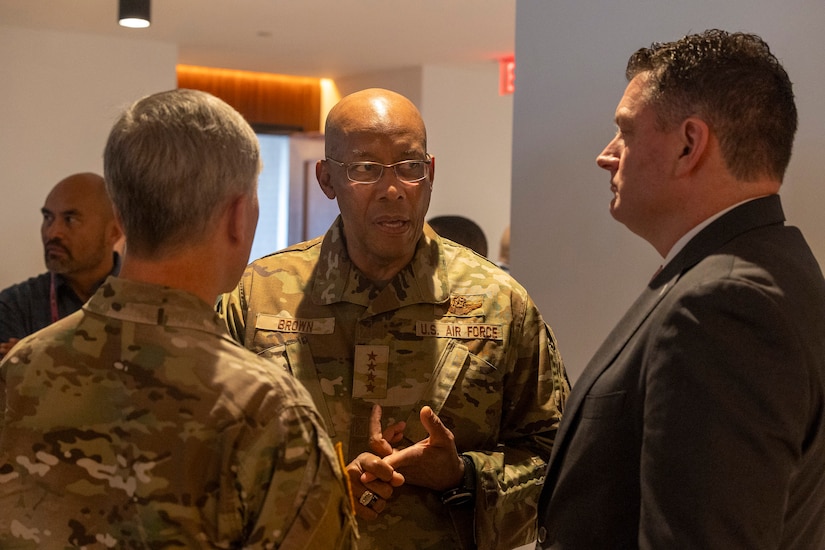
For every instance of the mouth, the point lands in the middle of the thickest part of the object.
(56, 250)
(392, 224)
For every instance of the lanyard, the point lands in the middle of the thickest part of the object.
(53, 300)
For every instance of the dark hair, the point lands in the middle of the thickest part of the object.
(461, 230)
(735, 84)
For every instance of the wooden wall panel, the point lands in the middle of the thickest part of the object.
(262, 98)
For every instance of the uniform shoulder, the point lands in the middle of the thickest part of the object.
(460, 259)
(245, 372)
(310, 247)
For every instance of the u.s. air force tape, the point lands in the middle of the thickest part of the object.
(462, 331)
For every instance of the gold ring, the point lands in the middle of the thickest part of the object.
(368, 498)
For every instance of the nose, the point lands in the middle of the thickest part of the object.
(608, 159)
(390, 186)
(51, 229)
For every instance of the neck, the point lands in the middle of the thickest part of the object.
(379, 270)
(379, 275)
(696, 208)
(182, 273)
(85, 284)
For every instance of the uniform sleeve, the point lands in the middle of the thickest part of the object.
(300, 501)
(232, 308)
(509, 480)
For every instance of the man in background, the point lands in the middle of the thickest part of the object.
(79, 234)
(461, 230)
(432, 367)
(504, 249)
(137, 422)
(699, 422)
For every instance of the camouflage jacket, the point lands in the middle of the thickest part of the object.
(137, 422)
(451, 330)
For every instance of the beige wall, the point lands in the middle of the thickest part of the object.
(470, 130)
(60, 94)
(62, 91)
(583, 268)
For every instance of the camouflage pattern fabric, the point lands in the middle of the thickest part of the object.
(137, 422)
(452, 331)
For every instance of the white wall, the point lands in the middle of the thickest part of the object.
(60, 95)
(469, 130)
(583, 268)
(62, 91)
(405, 81)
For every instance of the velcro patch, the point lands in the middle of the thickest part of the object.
(464, 304)
(279, 323)
(461, 331)
(370, 376)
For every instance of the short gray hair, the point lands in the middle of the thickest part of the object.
(172, 160)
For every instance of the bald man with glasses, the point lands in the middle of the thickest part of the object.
(430, 365)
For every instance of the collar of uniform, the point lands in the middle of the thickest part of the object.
(146, 303)
(423, 280)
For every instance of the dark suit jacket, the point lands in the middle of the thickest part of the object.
(699, 422)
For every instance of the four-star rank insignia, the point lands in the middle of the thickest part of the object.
(370, 377)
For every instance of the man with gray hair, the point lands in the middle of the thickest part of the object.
(137, 421)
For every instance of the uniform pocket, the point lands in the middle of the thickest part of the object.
(466, 393)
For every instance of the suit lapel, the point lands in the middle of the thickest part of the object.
(615, 342)
(758, 212)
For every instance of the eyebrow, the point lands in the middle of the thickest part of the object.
(68, 212)
(360, 155)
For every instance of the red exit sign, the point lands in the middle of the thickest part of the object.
(506, 75)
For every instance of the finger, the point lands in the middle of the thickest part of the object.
(397, 479)
(368, 512)
(435, 428)
(395, 432)
(377, 443)
(375, 466)
(369, 504)
(375, 421)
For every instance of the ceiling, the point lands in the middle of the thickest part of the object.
(317, 38)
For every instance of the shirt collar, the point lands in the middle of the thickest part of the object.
(147, 303)
(423, 280)
(680, 244)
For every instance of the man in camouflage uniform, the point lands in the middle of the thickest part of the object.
(382, 319)
(137, 422)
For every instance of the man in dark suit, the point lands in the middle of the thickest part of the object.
(699, 422)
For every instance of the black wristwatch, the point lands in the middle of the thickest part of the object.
(466, 492)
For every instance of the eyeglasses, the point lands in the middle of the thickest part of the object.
(407, 171)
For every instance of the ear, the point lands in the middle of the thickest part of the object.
(324, 179)
(235, 216)
(114, 231)
(694, 137)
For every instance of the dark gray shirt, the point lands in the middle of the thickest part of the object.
(25, 307)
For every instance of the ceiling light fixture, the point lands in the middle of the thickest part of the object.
(134, 13)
